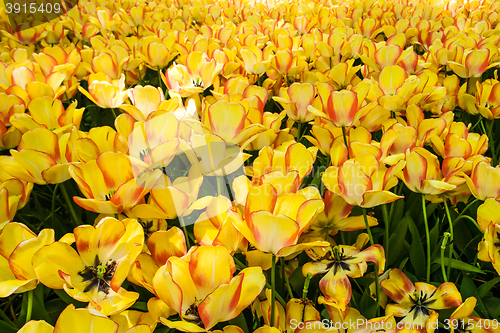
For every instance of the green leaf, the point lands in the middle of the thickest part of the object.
(6, 328)
(485, 288)
(416, 251)
(240, 322)
(68, 299)
(468, 289)
(458, 264)
(493, 306)
(397, 239)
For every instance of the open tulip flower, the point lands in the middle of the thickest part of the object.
(162, 245)
(105, 92)
(96, 272)
(462, 320)
(38, 158)
(335, 217)
(14, 195)
(275, 219)
(203, 293)
(18, 244)
(145, 100)
(49, 113)
(81, 321)
(363, 181)
(197, 149)
(198, 74)
(215, 226)
(344, 108)
(422, 173)
(339, 263)
(418, 303)
(482, 179)
(489, 246)
(108, 183)
(472, 64)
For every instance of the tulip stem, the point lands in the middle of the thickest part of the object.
(53, 207)
(299, 131)
(465, 209)
(273, 287)
(76, 221)
(443, 247)
(372, 242)
(451, 234)
(386, 226)
(306, 285)
(492, 144)
(282, 262)
(30, 305)
(183, 225)
(428, 241)
(242, 266)
(345, 141)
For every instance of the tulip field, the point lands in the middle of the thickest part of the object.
(241, 166)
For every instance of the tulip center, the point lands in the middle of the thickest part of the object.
(197, 82)
(193, 316)
(110, 194)
(421, 302)
(497, 244)
(98, 275)
(338, 260)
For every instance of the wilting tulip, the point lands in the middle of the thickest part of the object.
(18, 244)
(105, 92)
(205, 294)
(339, 263)
(96, 272)
(417, 303)
(363, 181)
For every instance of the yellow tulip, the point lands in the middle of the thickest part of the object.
(96, 272)
(108, 183)
(204, 294)
(18, 244)
(14, 195)
(105, 92)
(363, 181)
